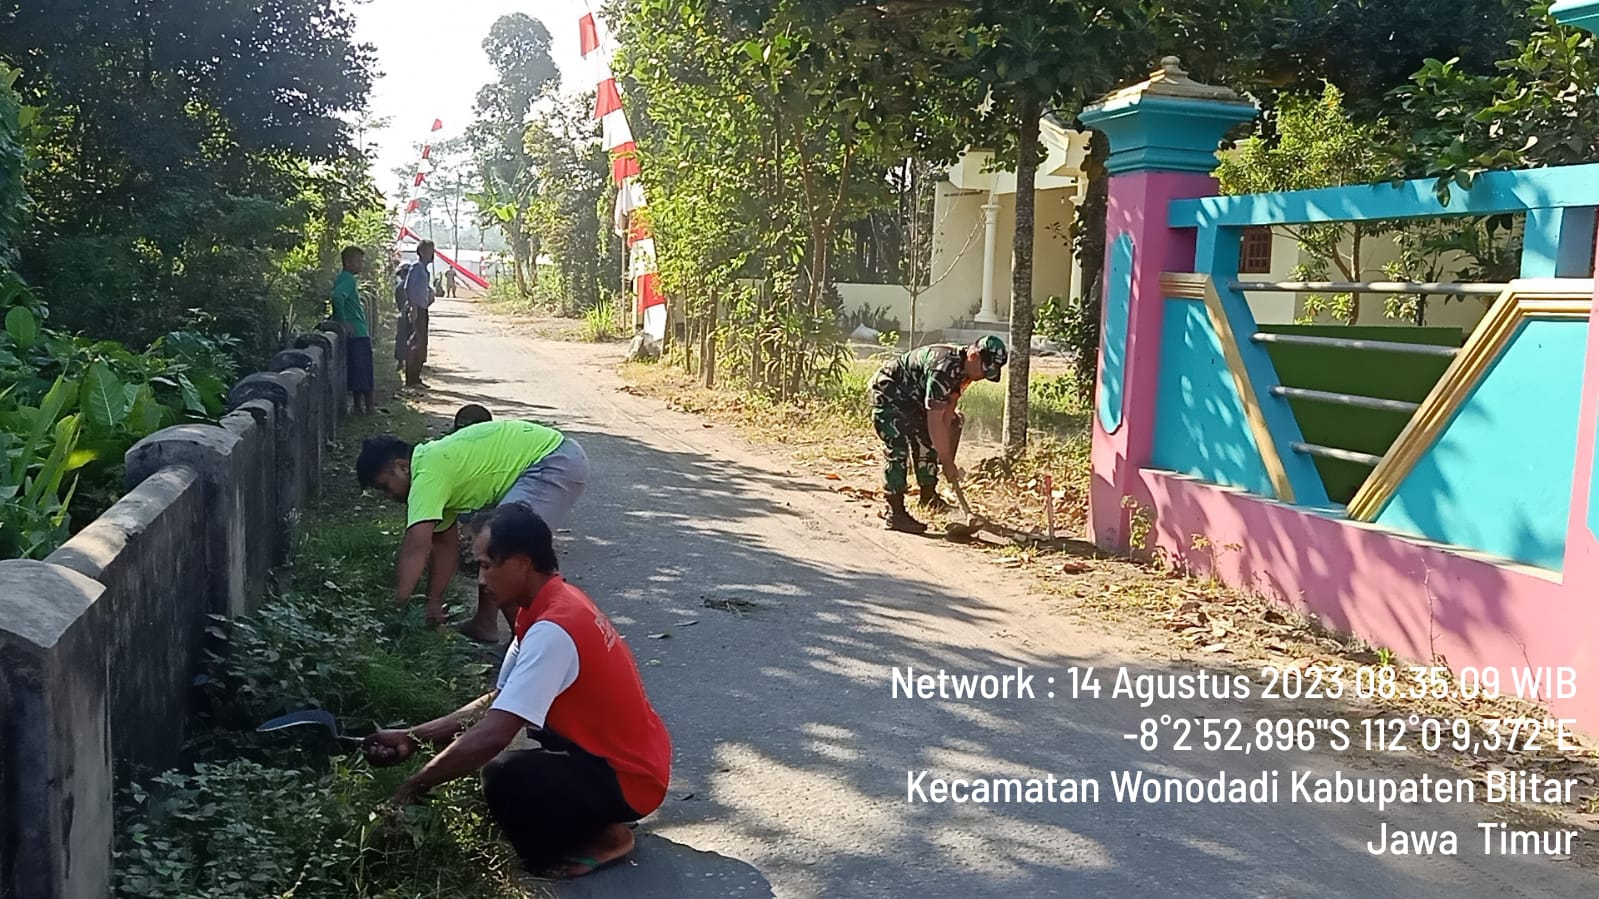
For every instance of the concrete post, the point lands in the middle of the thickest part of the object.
(258, 490)
(313, 362)
(989, 315)
(1163, 136)
(286, 392)
(331, 340)
(55, 755)
(213, 454)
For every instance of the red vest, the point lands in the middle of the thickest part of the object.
(605, 710)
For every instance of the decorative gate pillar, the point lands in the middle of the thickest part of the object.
(1163, 137)
(1582, 531)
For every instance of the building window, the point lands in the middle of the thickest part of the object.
(1254, 256)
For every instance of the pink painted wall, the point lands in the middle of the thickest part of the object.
(1137, 206)
(1582, 551)
(1421, 601)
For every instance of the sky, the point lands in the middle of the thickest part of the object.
(431, 64)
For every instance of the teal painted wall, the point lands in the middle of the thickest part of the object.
(1200, 426)
(1118, 305)
(1499, 477)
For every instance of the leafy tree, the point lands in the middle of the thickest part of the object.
(518, 46)
(1312, 142)
(1540, 109)
(766, 129)
(1031, 54)
(1366, 48)
(573, 172)
(180, 145)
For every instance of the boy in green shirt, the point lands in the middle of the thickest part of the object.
(488, 464)
(349, 311)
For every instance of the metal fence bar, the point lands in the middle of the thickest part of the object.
(1344, 343)
(1328, 452)
(1443, 287)
(1346, 399)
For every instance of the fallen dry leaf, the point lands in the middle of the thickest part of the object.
(1215, 647)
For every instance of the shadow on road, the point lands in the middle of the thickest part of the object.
(767, 629)
(662, 868)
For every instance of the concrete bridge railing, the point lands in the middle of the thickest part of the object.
(101, 641)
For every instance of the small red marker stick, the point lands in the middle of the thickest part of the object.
(1049, 503)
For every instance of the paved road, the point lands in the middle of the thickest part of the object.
(792, 756)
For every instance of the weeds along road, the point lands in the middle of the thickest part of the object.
(768, 621)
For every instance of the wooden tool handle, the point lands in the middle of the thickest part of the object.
(960, 497)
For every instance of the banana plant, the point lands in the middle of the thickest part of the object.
(37, 445)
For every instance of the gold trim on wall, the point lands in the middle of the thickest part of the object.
(1190, 286)
(1525, 299)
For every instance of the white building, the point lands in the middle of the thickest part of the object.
(974, 225)
(974, 221)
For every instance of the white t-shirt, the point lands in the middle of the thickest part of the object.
(538, 667)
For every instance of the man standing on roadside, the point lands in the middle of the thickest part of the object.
(914, 411)
(350, 311)
(493, 463)
(402, 324)
(419, 299)
(604, 757)
(449, 282)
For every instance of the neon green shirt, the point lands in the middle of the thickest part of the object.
(473, 468)
(347, 305)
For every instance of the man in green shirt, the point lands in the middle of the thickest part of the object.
(349, 311)
(488, 464)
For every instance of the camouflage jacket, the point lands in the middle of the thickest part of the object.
(921, 378)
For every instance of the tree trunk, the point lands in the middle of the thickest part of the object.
(708, 353)
(916, 245)
(519, 257)
(1354, 299)
(1021, 301)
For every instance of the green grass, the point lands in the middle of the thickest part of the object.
(294, 814)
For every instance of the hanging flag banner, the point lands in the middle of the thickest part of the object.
(618, 141)
(406, 234)
(413, 202)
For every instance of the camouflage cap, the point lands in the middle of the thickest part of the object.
(994, 356)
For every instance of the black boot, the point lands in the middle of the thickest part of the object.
(901, 520)
(932, 502)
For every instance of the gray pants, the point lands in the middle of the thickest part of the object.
(550, 487)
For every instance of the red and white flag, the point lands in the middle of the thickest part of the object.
(630, 199)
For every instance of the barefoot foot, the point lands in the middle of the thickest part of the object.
(613, 845)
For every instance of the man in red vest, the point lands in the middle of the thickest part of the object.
(604, 757)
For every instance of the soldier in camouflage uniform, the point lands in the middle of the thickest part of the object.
(914, 401)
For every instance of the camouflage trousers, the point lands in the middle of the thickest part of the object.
(905, 442)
